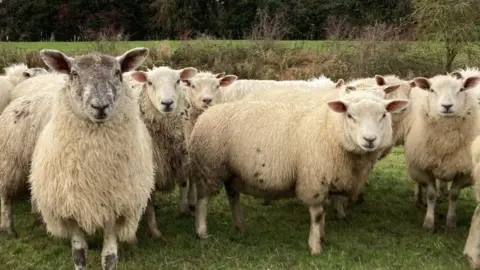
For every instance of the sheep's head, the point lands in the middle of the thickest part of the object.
(205, 91)
(165, 86)
(32, 72)
(95, 80)
(366, 120)
(448, 95)
(469, 72)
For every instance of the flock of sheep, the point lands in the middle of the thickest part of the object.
(93, 139)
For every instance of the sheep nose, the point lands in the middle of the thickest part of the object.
(167, 103)
(447, 106)
(100, 108)
(207, 100)
(370, 139)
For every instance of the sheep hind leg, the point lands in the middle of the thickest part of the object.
(183, 204)
(79, 249)
(152, 221)
(457, 184)
(339, 203)
(317, 229)
(237, 215)
(201, 217)
(38, 221)
(192, 195)
(6, 224)
(472, 246)
(109, 250)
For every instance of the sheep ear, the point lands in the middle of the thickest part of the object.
(56, 60)
(471, 82)
(219, 75)
(394, 105)
(391, 88)
(188, 73)
(139, 76)
(422, 83)
(337, 106)
(340, 83)
(380, 80)
(456, 74)
(132, 59)
(349, 89)
(412, 83)
(227, 80)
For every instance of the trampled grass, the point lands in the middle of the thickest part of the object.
(383, 233)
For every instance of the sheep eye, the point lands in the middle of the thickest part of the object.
(149, 83)
(117, 72)
(74, 73)
(431, 90)
(178, 81)
(349, 116)
(383, 116)
(462, 89)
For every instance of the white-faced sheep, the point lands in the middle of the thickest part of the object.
(471, 249)
(443, 124)
(92, 167)
(163, 108)
(14, 75)
(275, 150)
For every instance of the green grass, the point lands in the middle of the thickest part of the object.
(383, 233)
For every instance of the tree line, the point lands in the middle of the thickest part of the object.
(37, 20)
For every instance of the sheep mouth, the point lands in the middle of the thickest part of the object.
(368, 147)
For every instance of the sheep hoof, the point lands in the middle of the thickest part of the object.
(429, 225)
(158, 236)
(451, 226)
(9, 231)
(241, 228)
(202, 236)
(192, 208)
(110, 262)
(79, 258)
(474, 263)
(316, 252)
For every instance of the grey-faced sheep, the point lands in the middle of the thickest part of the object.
(443, 124)
(275, 150)
(14, 75)
(163, 107)
(92, 167)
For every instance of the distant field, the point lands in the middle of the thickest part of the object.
(384, 233)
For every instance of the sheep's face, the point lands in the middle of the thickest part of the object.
(165, 86)
(205, 91)
(95, 80)
(366, 120)
(448, 95)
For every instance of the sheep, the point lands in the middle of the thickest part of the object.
(14, 75)
(443, 124)
(471, 250)
(163, 108)
(92, 166)
(20, 125)
(248, 147)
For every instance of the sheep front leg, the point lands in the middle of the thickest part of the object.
(339, 203)
(235, 207)
(201, 217)
(7, 220)
(317, 229)
(152, 220)
(429, 222)
(79, 249)
(183, 205)
(472, 245)
(109, 250)
(458, 183)
(192, 195)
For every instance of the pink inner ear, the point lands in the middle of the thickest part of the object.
(340, 83)
(391, 89)
(227, 80)
(337, 106)
(187, 73)
(139, 76)
(396, 105)
(422, 83)
(471, 82)
(380, 80)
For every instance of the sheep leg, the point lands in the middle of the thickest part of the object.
(183, 205)
(429, 222)
(339, 203)
(109, 250)
(420, 195)
(457, 184)
(317, 230)
(472, 245)
(235, 207)
(425, 180)
(192, 194)
(442, 188)
(7, 218)
(201, 217)
(152, 221)
(79, 248)
(38, 221)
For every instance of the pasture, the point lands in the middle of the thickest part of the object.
(385, 232)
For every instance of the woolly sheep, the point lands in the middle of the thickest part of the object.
(92, 167)
(471, 249)
(14, 75)
(269, 164)
(443, 124)
(20, 125)
(163, 108)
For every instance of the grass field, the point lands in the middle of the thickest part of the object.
(383, 233)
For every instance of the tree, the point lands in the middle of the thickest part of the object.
(453, 22)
